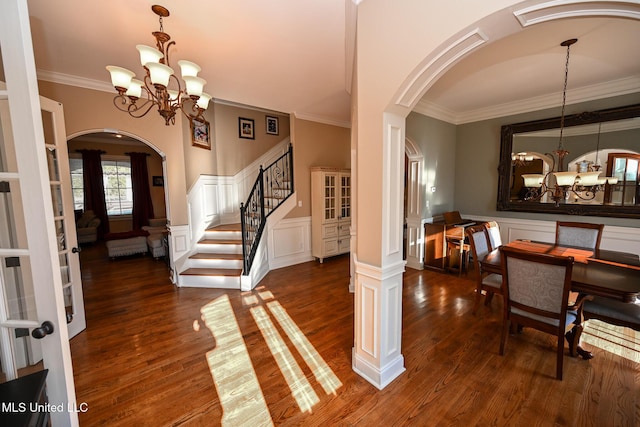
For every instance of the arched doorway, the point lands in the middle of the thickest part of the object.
(115, 148)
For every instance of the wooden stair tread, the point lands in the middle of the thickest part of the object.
(220, 242)
(205, 255)
(212, 272)
(225, 227)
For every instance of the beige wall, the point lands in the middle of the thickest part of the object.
(235, 153)
(154, 166)
(316, 144)
(197, 160)
(88, 111)
(230, 154)
(394, 40)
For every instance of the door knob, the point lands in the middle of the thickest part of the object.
(45, 329)
(76, 250)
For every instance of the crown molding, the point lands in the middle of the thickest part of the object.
(559, 9)
(588, 93)
(69, 80)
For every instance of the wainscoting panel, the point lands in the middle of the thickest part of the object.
(290, 242)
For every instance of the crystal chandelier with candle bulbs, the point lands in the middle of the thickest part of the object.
(557, 183)
(160, 87)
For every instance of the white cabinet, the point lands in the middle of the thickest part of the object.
(330, 211)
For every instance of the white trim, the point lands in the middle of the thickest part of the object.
(378, 377)
(618, 87)
(431, 69)
(377, 347)
(559, 9)
(449, 53)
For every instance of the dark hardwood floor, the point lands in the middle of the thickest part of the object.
(150, 357)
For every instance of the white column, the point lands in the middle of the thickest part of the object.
(378, 293)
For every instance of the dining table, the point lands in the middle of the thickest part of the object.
(599, 272)
(596, 272)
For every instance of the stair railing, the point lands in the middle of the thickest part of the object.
(273, 186)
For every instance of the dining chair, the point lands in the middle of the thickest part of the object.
(493, 230)
(536, 291)
(613, 312)
(580, 234)
(490, 284)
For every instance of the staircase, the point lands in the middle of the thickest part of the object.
(218, 260)
(227, 251)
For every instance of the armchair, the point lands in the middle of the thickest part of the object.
(87, 227)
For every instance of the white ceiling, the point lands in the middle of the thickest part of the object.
(289, 56)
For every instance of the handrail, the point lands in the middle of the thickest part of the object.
(277, 181)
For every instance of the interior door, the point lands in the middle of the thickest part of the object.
(63, 211)
(33, 326)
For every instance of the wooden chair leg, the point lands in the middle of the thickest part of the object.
(488, 298)
(503, 338)
(560, 356)
(476, 300)
(573, 339)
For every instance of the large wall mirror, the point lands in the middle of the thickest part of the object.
(603, 150)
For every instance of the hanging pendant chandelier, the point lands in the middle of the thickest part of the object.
(160, 88)
(558, 183)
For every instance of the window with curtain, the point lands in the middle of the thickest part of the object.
(116, 176)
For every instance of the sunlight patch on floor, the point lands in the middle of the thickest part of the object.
(301, 390)
(324, 375)
(624, 342)
(233, 374)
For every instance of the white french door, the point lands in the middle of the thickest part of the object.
(36, 238)
(63, 211)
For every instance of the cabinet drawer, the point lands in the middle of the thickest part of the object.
(329, 231)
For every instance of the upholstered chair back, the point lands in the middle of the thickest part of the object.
(479, 242)
(494, 234)
(536, 285)
(583, 235)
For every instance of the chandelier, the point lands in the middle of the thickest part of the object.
(558, 183)
(138, 97)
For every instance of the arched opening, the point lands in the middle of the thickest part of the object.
(115, 148)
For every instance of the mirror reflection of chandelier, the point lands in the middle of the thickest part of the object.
(559, 183)
(155, 85)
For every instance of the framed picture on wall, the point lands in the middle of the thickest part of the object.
(272, 125)
(158, 181)
(246, 128)
(200, 134)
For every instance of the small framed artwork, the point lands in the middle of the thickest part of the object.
(246, 128)
(200, 134)
(158, 181)
(272, 125)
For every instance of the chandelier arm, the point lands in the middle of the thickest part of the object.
(590, 193)
(166, 52)
(141, 110)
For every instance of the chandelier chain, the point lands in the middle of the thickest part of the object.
(564, 95)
